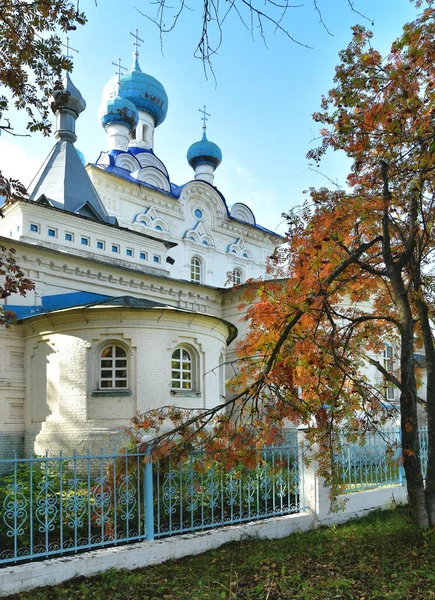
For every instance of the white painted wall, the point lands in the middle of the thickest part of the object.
(67, 410)
(127, 201)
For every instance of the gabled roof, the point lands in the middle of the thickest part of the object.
(64, 183)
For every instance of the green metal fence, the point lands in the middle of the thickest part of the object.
(64, 504)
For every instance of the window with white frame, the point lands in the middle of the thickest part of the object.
(183, 370)
(113, 368)
(237, 276)
(196, 270)
(389, 366)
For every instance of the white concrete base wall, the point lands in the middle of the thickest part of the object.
(28, 576)
(362, 503)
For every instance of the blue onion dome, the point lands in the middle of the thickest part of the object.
(118, 110)
(144, 91)
(81, 156)
(204, 153)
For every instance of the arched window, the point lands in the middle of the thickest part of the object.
(113, 368)
(183, 370)
(237, 276)
(196, 270)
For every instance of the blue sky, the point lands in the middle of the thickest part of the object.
(260, 107)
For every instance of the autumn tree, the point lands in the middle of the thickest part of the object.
(358, 271)
(361, 265)
(31, 71)
(31, 65)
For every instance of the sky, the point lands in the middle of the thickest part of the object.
(261, 100)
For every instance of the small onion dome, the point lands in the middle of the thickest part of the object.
(204, 153)
(69, 97)
(120, 111)
(144, 91)
(81, 156)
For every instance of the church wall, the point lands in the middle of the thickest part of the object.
(58, 273)
(221, 243)
(12, 392)
(232, 299)
(73, 235)
(70, 410)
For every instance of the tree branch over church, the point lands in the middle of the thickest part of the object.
(31, 65)
(358, 273)
(260, 19)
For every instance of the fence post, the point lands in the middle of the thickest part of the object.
(149, 496)
(315, 494)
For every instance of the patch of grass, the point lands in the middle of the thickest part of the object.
(379, 557)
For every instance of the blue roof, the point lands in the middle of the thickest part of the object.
(120, 172)
(175, 189)
(56, 302)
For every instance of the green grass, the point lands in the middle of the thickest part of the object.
(380, 556)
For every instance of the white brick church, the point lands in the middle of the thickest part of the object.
(131, 310)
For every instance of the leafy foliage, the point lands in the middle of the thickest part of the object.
(31, 64)
(13, 280)
(358, 271)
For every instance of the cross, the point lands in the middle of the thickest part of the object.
(137, 39)
(69, 49)
(120, 69)
(204, 116)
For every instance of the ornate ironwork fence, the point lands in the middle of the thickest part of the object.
(57, 505)
(375, 462)
(191, 496)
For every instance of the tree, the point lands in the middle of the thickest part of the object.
(31, 65)
(261, 18)
(358, 271)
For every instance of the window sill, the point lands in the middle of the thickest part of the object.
(186, 393)
(111, 393)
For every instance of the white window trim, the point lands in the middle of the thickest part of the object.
(114, 366)
(196, 270)
(240, 278)
(194, 388)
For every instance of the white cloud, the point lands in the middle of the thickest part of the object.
(16, 164)
(261, 200)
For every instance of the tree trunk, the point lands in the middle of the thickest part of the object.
(430, 400)
(408, 397)
(411, 460)
(409, 424)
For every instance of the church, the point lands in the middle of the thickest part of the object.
(137, 280)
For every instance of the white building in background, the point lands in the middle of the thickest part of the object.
(130, 309)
